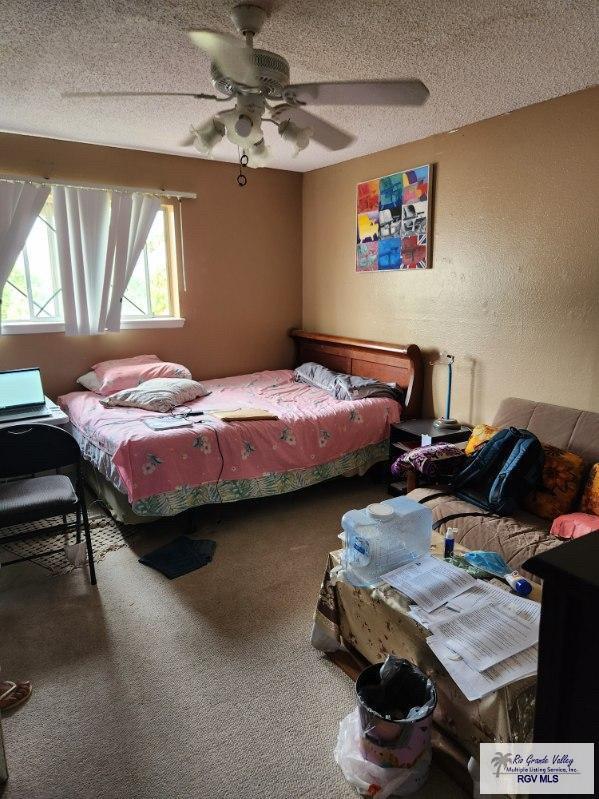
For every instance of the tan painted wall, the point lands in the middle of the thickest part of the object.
(242, 255)
(514, 288)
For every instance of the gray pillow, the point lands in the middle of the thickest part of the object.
(345, 387)
(316, 375)
(354, 387)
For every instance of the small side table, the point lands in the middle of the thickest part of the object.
(418, 433)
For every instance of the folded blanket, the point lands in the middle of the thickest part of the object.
(346, 387)
(438, 461)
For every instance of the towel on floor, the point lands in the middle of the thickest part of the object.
(180, 556)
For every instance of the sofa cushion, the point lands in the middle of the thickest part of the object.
(575, 525)
(561, 479)
(481, 433)
(566, 428)
(590, 497)
(515, 538)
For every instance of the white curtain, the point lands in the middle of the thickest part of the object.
(20, 204)
(82, 218)
(131, 218)
(100, 237)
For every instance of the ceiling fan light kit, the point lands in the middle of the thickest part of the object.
(299, 137)
(258, 82)
(208, 135)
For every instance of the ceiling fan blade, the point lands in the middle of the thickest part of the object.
(198, 95)
(362, 92)
(230, 54)
(330, 136)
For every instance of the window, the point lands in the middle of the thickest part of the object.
(31, 301)
(149, 294)
(32, 292)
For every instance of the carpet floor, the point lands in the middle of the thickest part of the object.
(204, 687)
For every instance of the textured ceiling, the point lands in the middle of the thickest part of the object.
(479, 58)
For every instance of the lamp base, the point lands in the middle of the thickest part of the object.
(446, 424)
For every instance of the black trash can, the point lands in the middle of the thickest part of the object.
(396, 702)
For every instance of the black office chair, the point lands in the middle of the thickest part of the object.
(28, 450)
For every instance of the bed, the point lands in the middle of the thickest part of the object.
(143, 474)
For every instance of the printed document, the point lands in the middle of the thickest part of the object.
(474, 684)
(430, 582)
(492, 632)
(480, 594)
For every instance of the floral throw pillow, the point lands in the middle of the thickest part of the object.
(590, 497)
(562, 476)
(479, 436)
(161, 394)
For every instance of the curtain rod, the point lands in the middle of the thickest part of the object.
(180, 195)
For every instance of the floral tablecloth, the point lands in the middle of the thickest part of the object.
(376, 623)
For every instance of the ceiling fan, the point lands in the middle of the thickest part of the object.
(257, 81)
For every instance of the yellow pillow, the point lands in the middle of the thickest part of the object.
(562, 475)
(479, 436)
(590, 498)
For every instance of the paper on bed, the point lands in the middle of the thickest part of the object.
(476, 684)
(429, 581)
(492, 632)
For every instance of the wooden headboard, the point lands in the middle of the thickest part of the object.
(392, 363)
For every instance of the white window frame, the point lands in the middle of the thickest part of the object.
(28, 326)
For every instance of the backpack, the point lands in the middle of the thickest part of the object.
(499, 474)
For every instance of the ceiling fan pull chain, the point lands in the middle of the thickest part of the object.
(243, 162)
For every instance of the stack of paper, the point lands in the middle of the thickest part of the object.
(486, 637)
(476, 684)
(478, 594)
(430, 582)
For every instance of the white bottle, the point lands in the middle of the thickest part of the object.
(383, 537)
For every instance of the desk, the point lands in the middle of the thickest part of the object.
(58, 417)
(375, 622)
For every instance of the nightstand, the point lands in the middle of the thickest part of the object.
(418, 433)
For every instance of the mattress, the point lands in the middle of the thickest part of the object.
(314, 438)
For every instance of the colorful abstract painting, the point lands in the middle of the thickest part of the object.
(393, 220)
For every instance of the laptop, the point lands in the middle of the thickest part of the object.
(22, 396)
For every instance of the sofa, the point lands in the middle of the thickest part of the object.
(522, 535)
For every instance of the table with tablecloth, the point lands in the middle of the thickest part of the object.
(375, 622)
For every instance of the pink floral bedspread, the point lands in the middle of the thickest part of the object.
(312, 429)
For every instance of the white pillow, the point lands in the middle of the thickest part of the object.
(160, 394)
(90, 381)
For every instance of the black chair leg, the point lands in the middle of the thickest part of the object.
(88, 542)
(78, 523)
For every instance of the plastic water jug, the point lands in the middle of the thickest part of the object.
(383, 537)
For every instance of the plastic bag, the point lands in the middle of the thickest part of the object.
(369, 778)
